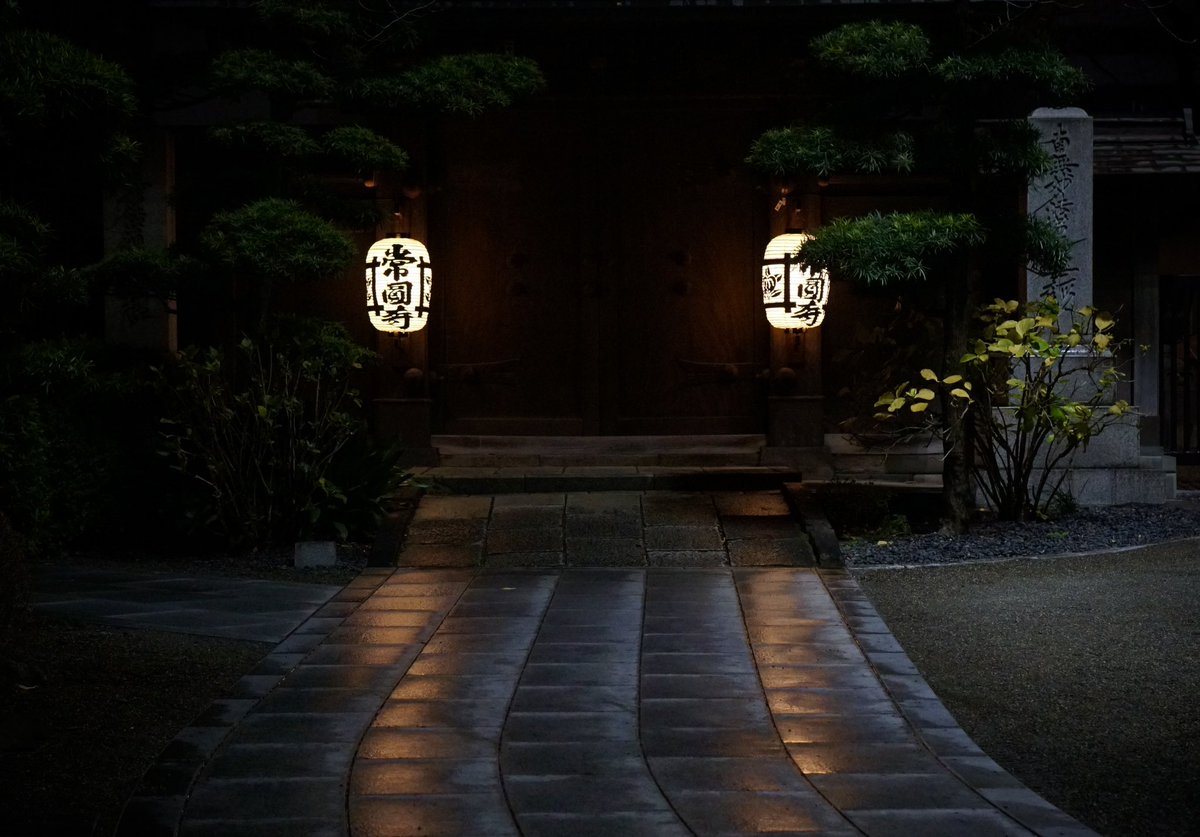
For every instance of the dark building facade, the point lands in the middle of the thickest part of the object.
(596, 248)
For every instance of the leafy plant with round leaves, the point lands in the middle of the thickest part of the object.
(1035, 387)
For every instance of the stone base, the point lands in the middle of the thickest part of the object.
(794, 421)
(1119, 486)
(314, 554)
(915, 461)
(409, 421)
(1114, 470)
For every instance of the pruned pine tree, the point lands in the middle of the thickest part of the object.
(902, 103)
(357, 63)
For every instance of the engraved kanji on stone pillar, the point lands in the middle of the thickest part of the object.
(1063, 196)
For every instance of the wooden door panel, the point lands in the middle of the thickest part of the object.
(508, 351)
(684, 331)
(598, 275)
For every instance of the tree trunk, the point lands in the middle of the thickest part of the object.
(958, 438)
(263, 314)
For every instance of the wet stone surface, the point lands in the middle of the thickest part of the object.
(725, 692)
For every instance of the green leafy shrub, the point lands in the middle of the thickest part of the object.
(31, 287)
(884, 349)
(271, 439)
(310, 18)
(13, 579)
(273, 242)
(1035, 387)
(141, 271)
(362, 482)
(23, 238)
(61, 476)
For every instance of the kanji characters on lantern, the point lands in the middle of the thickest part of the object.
(794, 296)
(399, 280)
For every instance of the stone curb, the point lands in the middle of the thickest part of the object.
(934, 726)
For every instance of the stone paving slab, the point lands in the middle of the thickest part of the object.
(570, 701)
(717, 699)
(610, 528)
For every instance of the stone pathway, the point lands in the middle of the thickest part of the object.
(615, 529)
(580, 700)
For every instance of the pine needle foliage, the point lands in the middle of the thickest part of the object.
(23, 239)
(821, 150)
(1044, 69)
(274, 138)
(259, 69)
(137, 270)
(887, 248)
(319, 20)
(1047, 251)
(874, 49)
(276, 240)
(456, 84)
(47, 79)
(363, 150)
(1009, 148)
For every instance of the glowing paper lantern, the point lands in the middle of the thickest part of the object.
(793, 296)
(399, 280)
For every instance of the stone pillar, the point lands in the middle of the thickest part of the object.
(1063, 196)
(1108, 471)
(402, 407)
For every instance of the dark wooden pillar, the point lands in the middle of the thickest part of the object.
(794, 405)
(403, 404)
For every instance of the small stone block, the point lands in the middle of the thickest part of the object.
(314, 554)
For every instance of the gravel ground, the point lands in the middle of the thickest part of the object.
(1078, 674)
(1086, 530)
(109, 700)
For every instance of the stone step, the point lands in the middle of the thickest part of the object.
(1157, 462)
(539, 479)
(599, 451)
(583, 459)
(893, 465)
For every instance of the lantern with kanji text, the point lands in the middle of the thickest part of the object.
(399, 283)
(794, 296)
